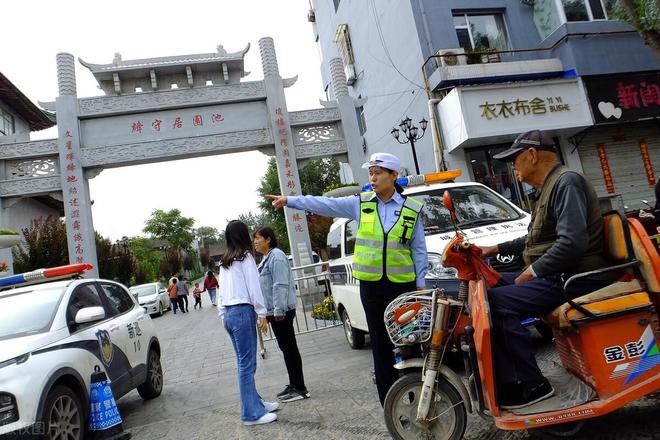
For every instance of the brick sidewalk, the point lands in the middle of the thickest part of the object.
(200, 398)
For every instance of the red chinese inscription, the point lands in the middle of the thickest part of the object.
(198, 121)
(137, 127)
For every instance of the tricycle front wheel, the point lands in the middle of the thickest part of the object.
(447, 415)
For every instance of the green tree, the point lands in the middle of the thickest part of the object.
(644, 15)
(45, 245)
(147, 259)
(171, 226)
(115, 261)
(252, 220)
(315, 177)
(207, 235)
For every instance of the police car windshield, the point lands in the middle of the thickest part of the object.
(475, 206)
(28, 313)
(144, 290)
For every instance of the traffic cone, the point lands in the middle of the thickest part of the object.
(104, 419)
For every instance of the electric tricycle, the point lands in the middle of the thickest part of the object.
(607, 342)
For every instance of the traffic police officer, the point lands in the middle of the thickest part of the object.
(390, 250)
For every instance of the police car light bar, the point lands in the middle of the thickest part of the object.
(419, 179)
(44, 274)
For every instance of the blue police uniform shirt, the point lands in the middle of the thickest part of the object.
(349, 207)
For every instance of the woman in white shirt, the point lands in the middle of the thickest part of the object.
(241, 301)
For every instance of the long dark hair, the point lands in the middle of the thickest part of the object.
(239, 243)
(267, 232)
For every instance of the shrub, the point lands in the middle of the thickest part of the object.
(325, 310)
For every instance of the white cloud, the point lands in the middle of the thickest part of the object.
(211, 189)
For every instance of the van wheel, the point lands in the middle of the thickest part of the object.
(63, 416)
(354, 337)
(153, 385)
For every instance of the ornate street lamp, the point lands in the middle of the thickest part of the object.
(410, 132)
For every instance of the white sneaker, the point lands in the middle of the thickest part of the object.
(266, 418)
(271, 406)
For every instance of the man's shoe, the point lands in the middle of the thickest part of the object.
(295, 395)
(287, 389)
(266, 418)
(523, 394)
(271, 406)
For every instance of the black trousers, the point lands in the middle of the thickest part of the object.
(376, 296)
(286, 340)
(183, 299)
(198, 302)
(513, 352)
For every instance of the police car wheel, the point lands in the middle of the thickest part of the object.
(153, 385)
(354, 337)
(63, 415)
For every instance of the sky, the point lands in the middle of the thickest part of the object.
(213, 189)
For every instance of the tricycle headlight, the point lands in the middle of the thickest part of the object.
(436, 270)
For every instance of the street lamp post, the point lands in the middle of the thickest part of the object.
(410, 132)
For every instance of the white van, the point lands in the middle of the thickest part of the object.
(484, 216)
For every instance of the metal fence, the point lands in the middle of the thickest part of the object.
(315, 309)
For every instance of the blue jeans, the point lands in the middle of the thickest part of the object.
(241, 324)
(212, 294)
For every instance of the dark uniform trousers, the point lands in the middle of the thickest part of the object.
(376, 296)
(510, 304)
(286, 340)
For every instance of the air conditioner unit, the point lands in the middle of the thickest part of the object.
(311, 16)
(349, 70)
(450, 57)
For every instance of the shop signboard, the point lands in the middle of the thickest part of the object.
(625, 97)
(498, 113)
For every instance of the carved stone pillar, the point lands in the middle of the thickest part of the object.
(287, 165)
(75, 190)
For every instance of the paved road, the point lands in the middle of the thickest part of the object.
(200, 398)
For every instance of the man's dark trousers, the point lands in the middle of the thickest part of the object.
(376, 296)
(286, 340)
(510, 304)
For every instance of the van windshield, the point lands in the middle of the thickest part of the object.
(475, 206)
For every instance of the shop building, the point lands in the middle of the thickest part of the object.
(492, 69)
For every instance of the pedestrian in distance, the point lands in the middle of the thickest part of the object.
(171, 291)
(390, 250)
(182, 293)
(197, 294)
(278, 288)
(241, 307)
(211, 285)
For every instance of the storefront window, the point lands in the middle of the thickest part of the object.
(481, 32)
(499, 176)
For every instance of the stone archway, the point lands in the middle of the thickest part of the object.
(144, 119)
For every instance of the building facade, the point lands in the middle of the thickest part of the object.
(482, 71)
(18, 118)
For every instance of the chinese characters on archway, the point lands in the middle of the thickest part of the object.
(175, 123)
(71, 197)
(523, 107)
(282, 139)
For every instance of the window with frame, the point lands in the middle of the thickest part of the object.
(120, 301)
(344, 46)
(334, 243)
(479, 32)
(550, 14)
(584, 10)
(7, 126)
(350, 236)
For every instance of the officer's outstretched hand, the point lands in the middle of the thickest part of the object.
(279, 202)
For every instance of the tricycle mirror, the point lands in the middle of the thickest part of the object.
(449, 204)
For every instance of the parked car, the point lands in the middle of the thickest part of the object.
(152, 297)
(52, 337)
(485, 217)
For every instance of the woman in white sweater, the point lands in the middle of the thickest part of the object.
(241, 301)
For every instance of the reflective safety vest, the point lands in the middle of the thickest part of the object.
(377, 251)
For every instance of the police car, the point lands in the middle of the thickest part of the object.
(53, 335)
(484, 216)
